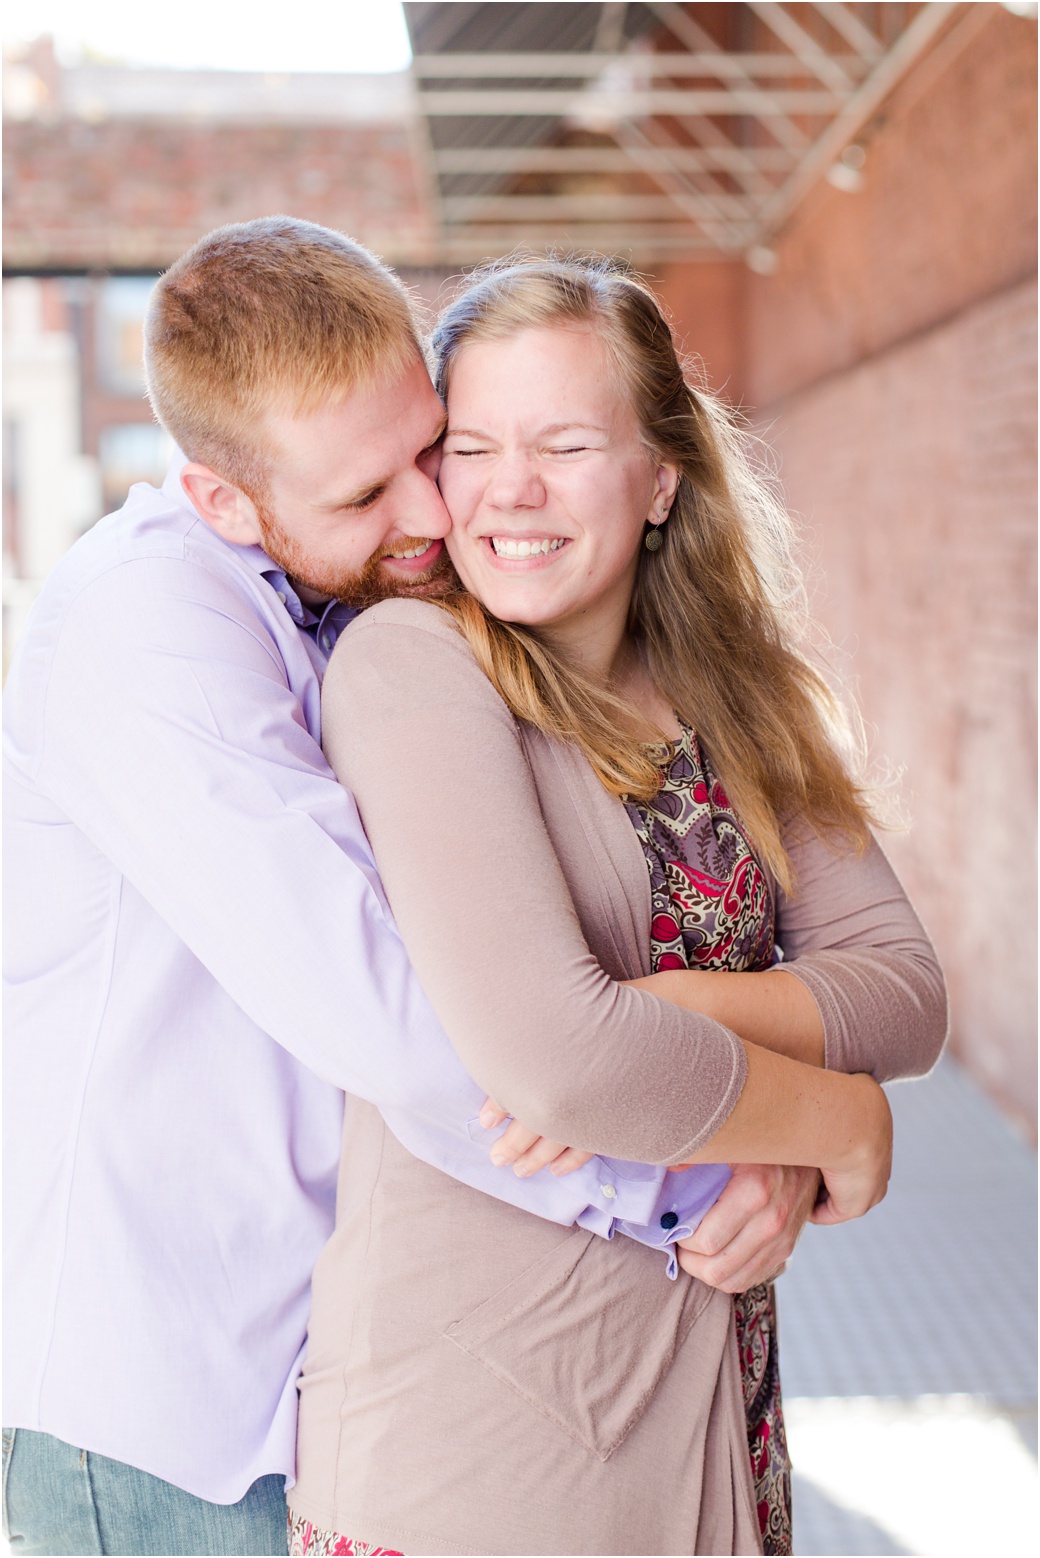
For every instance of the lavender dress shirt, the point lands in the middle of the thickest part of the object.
(199, 960)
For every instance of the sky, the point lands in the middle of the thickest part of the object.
(349, 35)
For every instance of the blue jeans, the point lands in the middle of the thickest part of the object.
(60, 1500)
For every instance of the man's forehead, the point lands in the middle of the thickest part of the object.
(376, 420)
(352, 441)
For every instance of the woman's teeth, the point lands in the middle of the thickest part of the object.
(504, 548)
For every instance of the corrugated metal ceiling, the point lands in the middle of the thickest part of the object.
(660, 130)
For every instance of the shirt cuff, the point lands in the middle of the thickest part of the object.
(683, 1200)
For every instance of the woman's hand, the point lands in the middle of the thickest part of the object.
(526, 1150)
(860, 1181)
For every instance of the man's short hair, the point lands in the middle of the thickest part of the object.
(272, 313)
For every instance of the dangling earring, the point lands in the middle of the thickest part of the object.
(655, 537)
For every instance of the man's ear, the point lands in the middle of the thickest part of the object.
(231, 513)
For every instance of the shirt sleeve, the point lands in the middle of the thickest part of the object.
(850, 934)
(414, 728)
(173, 741)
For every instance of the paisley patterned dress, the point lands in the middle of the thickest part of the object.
(712, 908)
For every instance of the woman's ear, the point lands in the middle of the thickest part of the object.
(666, 484)
(230, 512)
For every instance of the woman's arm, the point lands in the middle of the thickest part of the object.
(791, 1113)
(436, 763)
(769, 1008)
(860, 988)
(851, 937)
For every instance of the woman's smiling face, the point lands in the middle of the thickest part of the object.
(547, 480)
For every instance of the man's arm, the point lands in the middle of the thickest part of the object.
(174, 742)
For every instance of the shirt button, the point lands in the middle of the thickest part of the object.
(608, 1191)
(669, 1219)
(283, 597)
(326, 641)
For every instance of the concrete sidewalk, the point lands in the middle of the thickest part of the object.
(908, 1345)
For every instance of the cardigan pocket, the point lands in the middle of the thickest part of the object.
(585, 1335)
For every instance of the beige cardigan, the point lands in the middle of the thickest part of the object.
(479, 1380)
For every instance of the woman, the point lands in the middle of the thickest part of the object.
(606, 758)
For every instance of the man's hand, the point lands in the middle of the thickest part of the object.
(526, 1150)
(748, 1235)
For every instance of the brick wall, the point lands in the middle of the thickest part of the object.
(916, 474)
(891, 362)
(162, 184)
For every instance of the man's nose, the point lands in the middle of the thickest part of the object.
(423, 511)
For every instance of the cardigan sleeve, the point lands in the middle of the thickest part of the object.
(851, 936)
(435, 761)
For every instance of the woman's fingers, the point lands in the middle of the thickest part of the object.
(491, 1114)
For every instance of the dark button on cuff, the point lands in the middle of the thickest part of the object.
(669, 1219)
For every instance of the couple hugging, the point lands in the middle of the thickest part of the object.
(420, 1060)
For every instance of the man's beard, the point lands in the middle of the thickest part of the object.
(360, 588)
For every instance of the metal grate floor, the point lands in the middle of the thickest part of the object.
(909, 1344)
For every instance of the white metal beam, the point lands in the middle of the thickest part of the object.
(607, 159)
(610, 28)
(845, 21)
(743, 68)
(707, 208)
(856, 111)
(617, 235)
(803, 45)
(626, 104)
(693, 36)
(590, 207)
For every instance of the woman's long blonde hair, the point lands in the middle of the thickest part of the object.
(718, 611)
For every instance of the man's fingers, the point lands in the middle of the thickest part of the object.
(758, 1250)
(749, 1234)
(537, 1156)
(514, 1141)
(526, 1150)
(729, 1278)
(755, 1191)
(569, 1160)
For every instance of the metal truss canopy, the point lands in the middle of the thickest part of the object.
(662, 130)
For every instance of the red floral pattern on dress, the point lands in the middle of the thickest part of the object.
(310, 1541)
(712, 908)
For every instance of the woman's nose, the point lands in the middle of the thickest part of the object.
(515, 483)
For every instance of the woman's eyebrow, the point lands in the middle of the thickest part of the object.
(573, 427)
(543, 432)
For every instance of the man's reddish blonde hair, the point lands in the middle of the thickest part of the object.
(272, 313)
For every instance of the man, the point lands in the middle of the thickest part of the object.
(201, 958)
